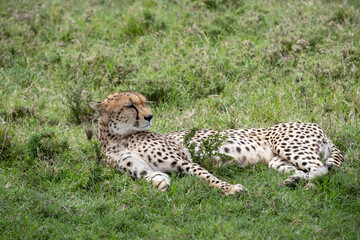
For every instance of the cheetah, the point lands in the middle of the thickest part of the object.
(124, 120)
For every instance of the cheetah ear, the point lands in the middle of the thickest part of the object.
(97, 106)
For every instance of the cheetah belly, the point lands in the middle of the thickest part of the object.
(248, 154)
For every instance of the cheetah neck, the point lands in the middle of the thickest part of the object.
(109, 141)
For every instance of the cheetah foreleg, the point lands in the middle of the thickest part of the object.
(136, 167)
(159, 180)
(195, 169)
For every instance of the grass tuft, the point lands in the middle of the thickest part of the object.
(77, 100)
(5, 145)
(45, 146)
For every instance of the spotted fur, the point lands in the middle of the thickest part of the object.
(294, 146)
(129, 147)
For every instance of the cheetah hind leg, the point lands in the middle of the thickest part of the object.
(325, 151)
(282, 165)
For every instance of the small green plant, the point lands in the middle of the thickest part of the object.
(219, 4)
(45, 146)
(141, 23)
(94, 173)
(5, 145)
(97, 155)
(207, 152)
(77, 100)
(94, 177)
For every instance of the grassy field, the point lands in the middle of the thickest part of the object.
(215, 64)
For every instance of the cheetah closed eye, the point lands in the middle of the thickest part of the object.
(129, 147)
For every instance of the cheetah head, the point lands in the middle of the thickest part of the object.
(124, 112)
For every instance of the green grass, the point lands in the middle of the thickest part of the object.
(208, 64)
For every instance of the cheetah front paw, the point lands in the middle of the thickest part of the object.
(160, 180)
(236, 190)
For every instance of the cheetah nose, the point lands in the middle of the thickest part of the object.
(148, 117)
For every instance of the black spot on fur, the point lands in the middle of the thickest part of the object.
(143, 173)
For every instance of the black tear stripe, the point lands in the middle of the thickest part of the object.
(137, 111)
